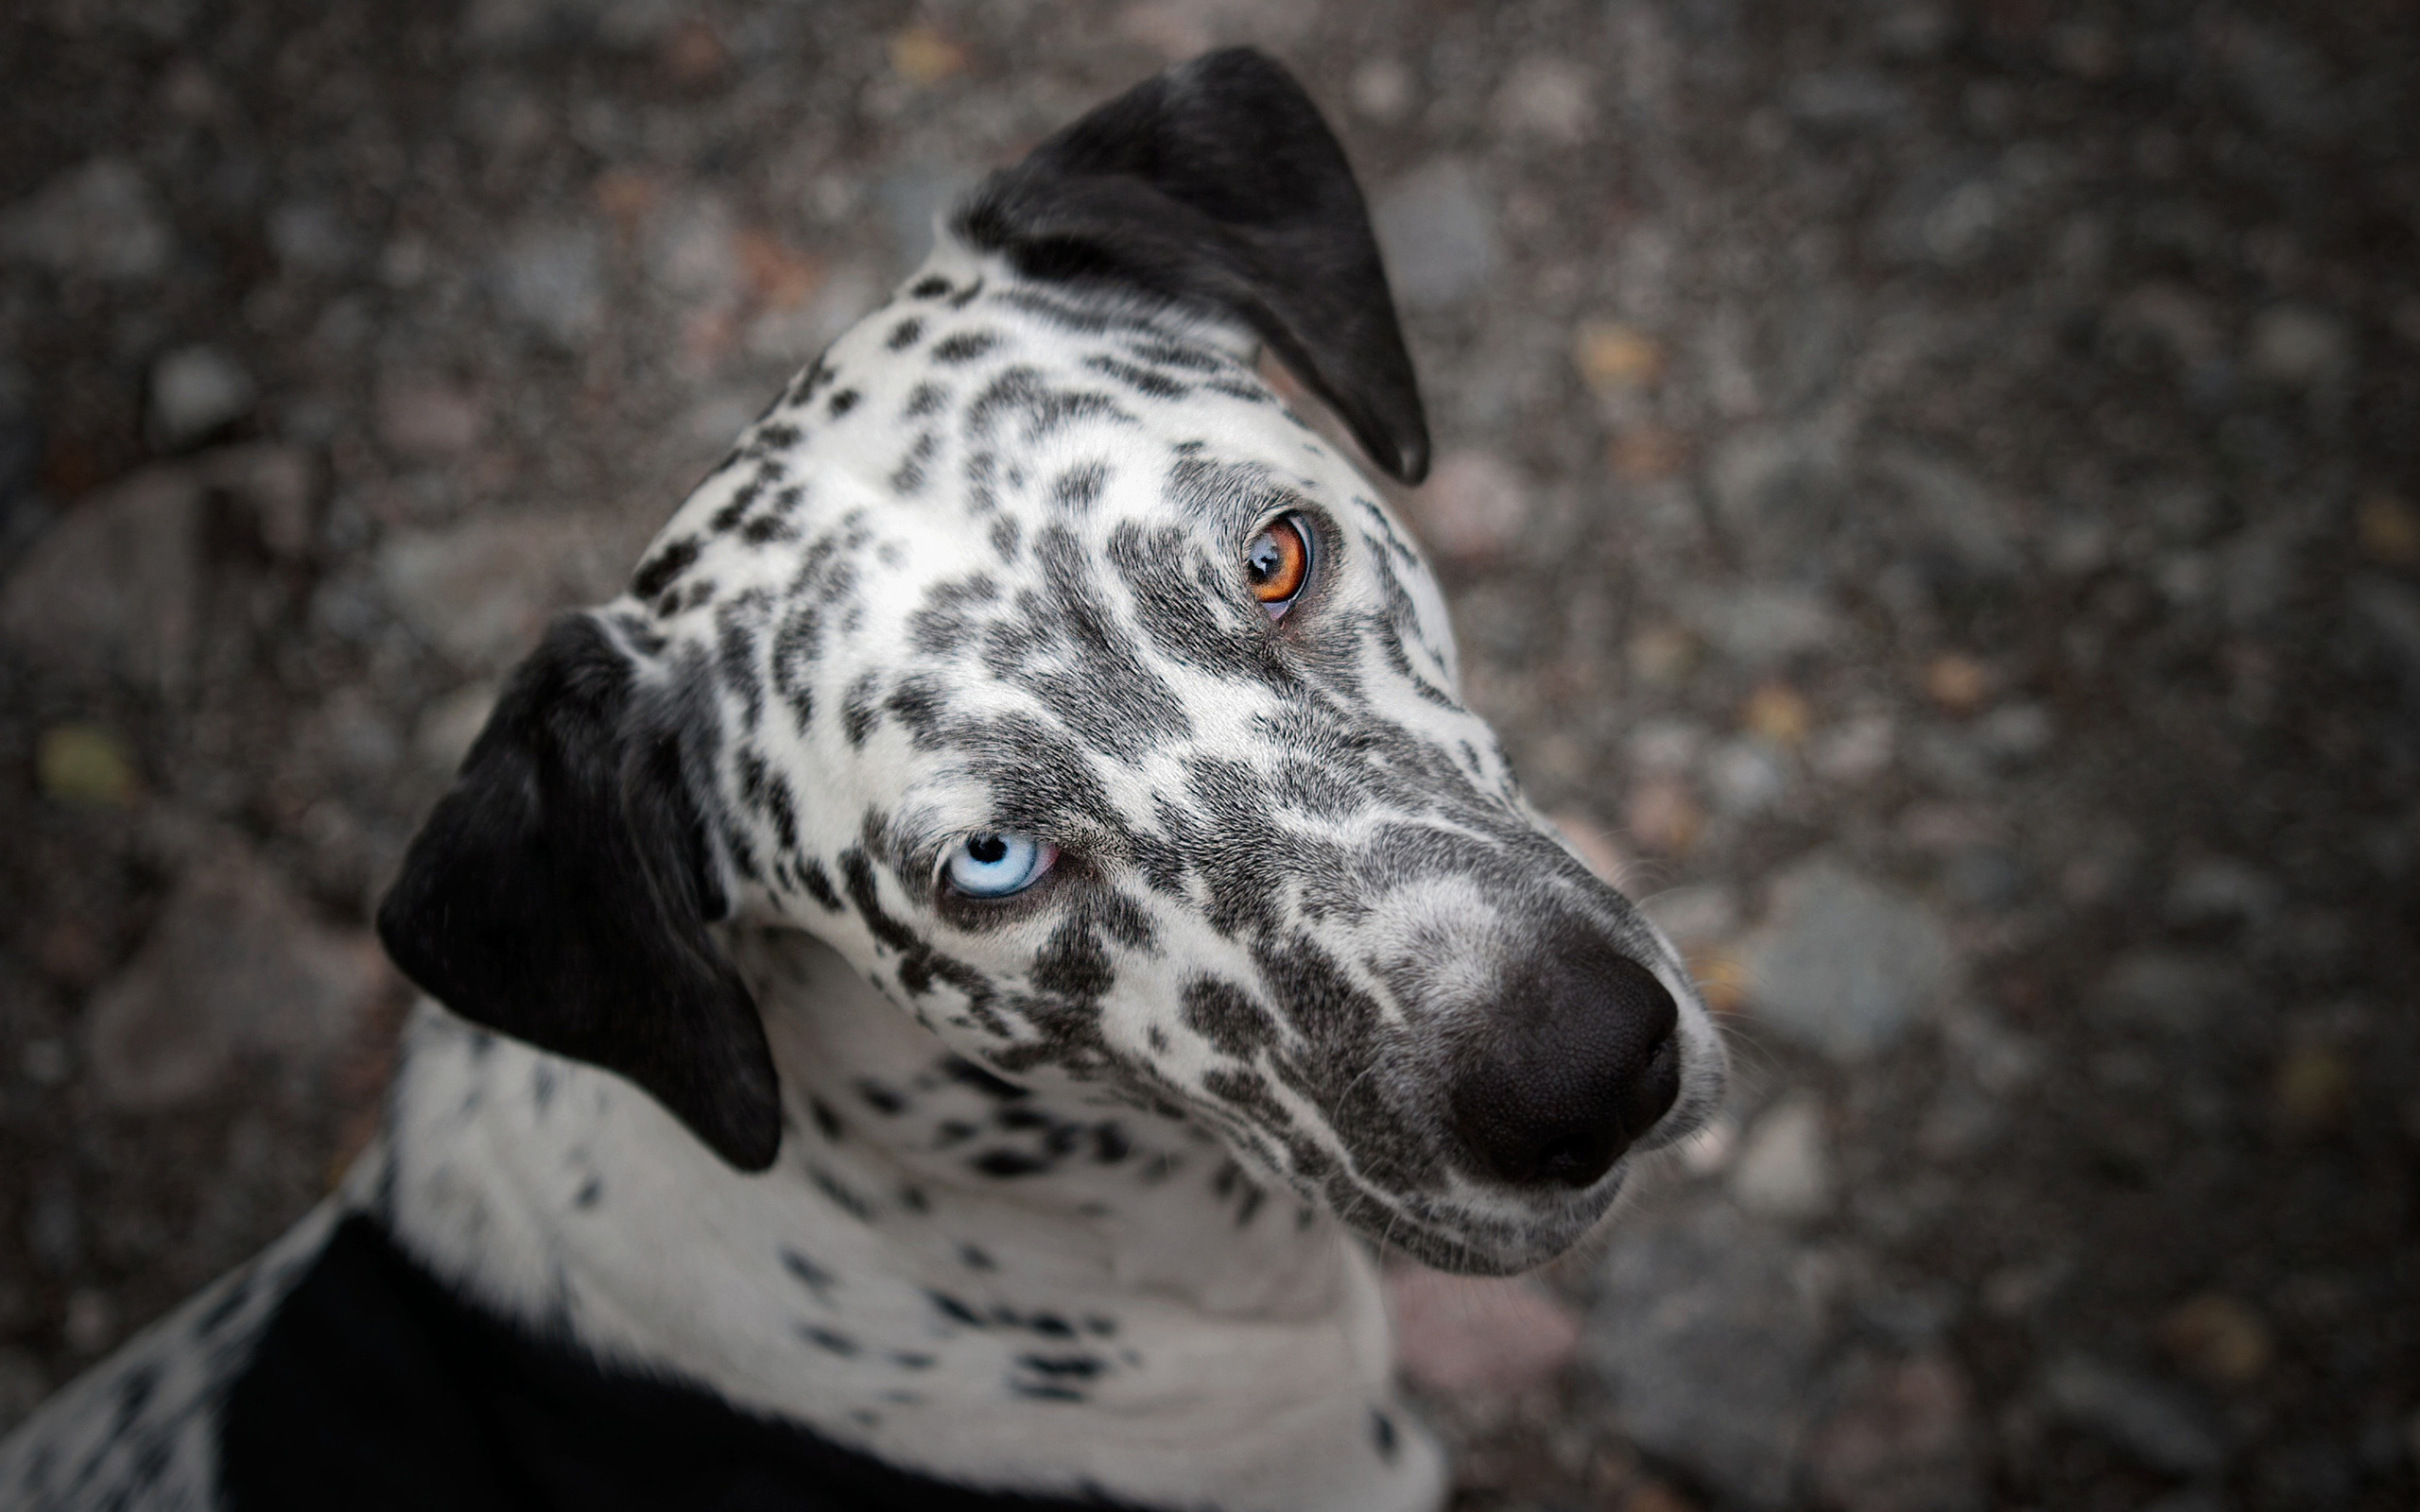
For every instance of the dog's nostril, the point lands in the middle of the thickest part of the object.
(1582, 1057)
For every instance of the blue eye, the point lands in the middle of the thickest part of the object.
(994, 865)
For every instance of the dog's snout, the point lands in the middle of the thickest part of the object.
(1579, 1056)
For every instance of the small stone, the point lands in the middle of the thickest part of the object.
(309, 237)
(2222, 891)
(2016, 732)
(100, 220)
(1708, 1328)
(114, 588)
(1777, 712)
(2173, 991)
(1957, 682)
(1661, 813)
(2314, 1086)
(2298, 347)
(552, 278)
(87, 765)
(2155, 1423)
(1905, 1441)
(1759, 625)
(2389, 531)
(1844, 965)
(1548, 97)
(481, 592)
(91, 1324)
(235, 965)
(1478, 1336)
(426, 421)
(2219, 1338)
(194, 391)
(1858, 751)
(1744, 778)
(1380, 89)
(692, 250)
(1616, 358)
(923, 56)
(1784, 1168)
(692, 54)
(1438, 232)
(1474, 508)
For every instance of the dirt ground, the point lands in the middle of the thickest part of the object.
(1930, 495)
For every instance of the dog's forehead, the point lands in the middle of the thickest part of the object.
(943, 435)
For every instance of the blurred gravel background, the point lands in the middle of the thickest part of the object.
(1931, 495)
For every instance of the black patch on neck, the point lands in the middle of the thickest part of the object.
(375, 1388)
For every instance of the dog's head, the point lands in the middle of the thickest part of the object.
(1030, 653)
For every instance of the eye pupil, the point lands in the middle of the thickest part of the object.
(986, 848)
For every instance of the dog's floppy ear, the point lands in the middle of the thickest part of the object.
(1219, 181)
(560, 894)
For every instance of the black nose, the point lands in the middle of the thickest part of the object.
(1577, 1058)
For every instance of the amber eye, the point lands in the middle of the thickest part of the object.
(1278, 562)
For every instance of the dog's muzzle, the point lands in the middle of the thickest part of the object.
(1577, 1058)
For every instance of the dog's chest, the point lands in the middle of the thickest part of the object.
(992, 1336)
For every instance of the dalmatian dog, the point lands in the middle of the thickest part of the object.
(934, 991)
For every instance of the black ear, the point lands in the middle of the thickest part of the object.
(1217, 181)
(560, 894)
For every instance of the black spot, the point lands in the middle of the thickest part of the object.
(1142, 380)
(818, 883)
(846, 1200)
(590, 1192)
(1045, 1391)
(1079, 489)
(825, 1120)
(1065, 1367)
(967, 1074)
(1050, 1326)
(908, 477)
(861, 709)
(956, 1311)
(964, 346)
(1382, 1433)
(1006, 1164)
(1110, 1143)
(1006, 537)
(839, 1344)
(907, 1359)
(1099, 1326)
(1225, 1015)
(904, 334)
(812, 1276)
(656, 574)
(878, 1097)
(1073, 964)
(923, 400)
(976, 1258)
(965, 297)
(841, 402)
(931, 286)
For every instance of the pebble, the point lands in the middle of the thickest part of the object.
(235, 965)
(1709, 1330)
(1744, 778)
(1438, 234)
(1478, 1336)
(1904, 1441)
(1380, 89)
(1784, 1167)
(1616, 358)
(551, 278)
(2298, 347)
(2219, 1338)
(1548, 97)
(2155, 1423)
(2173, 991)
(114, 588)
(482, 590)
(194, 392)
(424, 420)
(100, 220)
(1844, 965)
(1758, 625)
(1473, 509)
(87, 765)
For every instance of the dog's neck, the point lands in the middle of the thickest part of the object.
(934, 1271)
